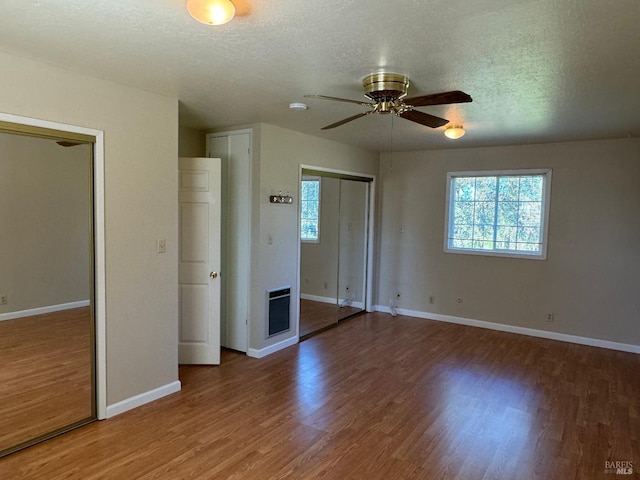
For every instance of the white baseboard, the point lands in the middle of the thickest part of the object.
(563, 337)
(143, 398)
(263, 352)
(317, 298)
(353, 304)
(333, 301)
(41, 310)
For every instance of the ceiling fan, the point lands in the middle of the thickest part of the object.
(388, 91)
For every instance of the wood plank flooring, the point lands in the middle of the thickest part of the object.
(315, 316)
(45, 374)
(381, 397)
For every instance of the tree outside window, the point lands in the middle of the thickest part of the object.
(310, 209)
(498, 213)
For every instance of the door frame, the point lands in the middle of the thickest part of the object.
(370, 243)
(100, 283)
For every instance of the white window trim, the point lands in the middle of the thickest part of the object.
(546, 172)
(319, 179)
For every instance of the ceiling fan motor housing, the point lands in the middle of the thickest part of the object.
(385, 87)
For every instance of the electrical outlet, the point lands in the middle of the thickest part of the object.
(432, 299)
(3, 299)
(161, 245)
(549, 317)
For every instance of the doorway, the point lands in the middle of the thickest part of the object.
(335, 247)
(49, 292)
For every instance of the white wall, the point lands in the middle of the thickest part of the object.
(591, 277)
(141, 150)
(45, 211)
(191, 142)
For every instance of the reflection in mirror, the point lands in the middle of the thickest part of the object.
(332, 265)
(46, 288)
(353, 247)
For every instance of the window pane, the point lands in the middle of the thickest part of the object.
(305, 191)
(508, 213)
(464, 188)
(463, 213)
(530, 189)
(528, 247)
(530, 213)
(455, 243)
(483, 232)
(485, 213)
(507, 234)
(486, 189)
(529, 234)
(309, 209)
(483, 245)
(463, 232)
(509, 189)
(499, 213)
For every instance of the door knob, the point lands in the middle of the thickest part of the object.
(213, 275)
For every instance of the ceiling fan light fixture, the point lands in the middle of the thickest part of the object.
(454, 132)
(211, 12)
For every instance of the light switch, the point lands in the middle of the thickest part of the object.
(161, 245)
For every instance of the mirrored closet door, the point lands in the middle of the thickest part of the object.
(46, 285)
(333, 252)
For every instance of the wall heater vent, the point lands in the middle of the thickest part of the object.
(278, 310)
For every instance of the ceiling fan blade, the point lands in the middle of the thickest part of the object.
(455, 96)
(347, 120)
(324, 97)
(424, 118)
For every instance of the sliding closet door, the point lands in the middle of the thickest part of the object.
(46, 288)
(352, 250)
(319, 250)
(333, 250)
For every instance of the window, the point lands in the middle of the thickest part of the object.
(501, 213)
(310, 209)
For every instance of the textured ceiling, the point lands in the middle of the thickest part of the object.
(538, 71)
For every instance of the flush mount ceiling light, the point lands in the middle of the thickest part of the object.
(211, 12)
(298, 106)
(454, 131)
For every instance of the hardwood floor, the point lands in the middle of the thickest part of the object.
(315, 316)
(380, 397)
(45, 374)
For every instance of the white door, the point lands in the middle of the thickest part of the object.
(234, 148)
(199, 199)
